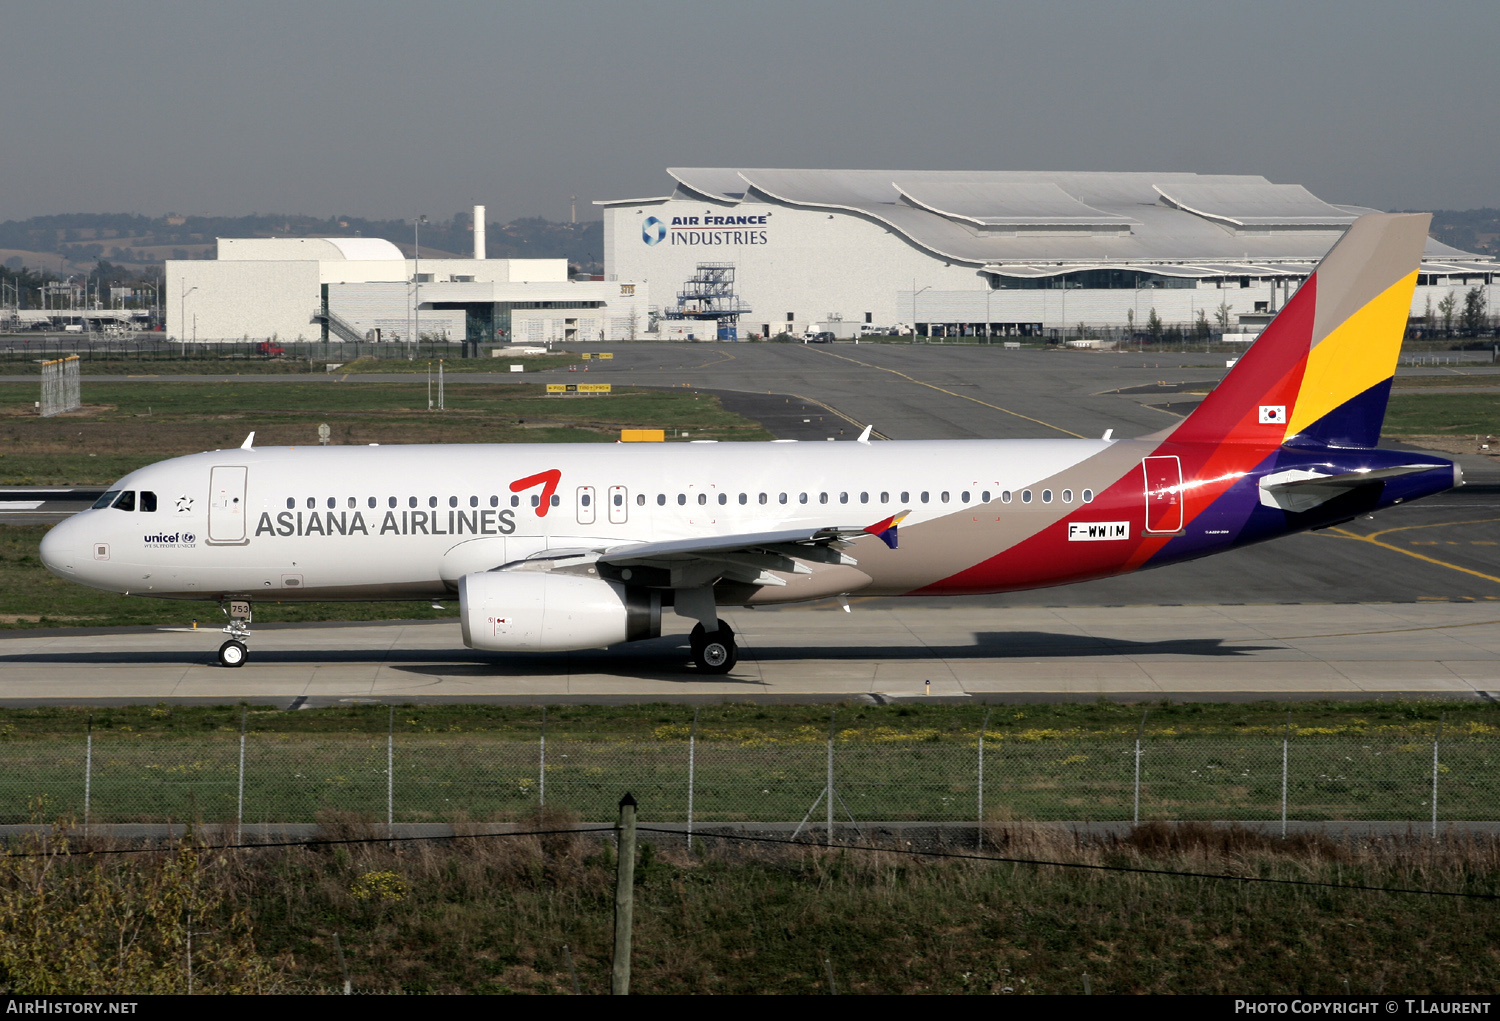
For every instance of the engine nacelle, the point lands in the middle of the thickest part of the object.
(528, 611)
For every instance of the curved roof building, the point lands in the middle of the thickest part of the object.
(966, 248)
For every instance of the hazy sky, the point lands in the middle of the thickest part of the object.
(390, 110)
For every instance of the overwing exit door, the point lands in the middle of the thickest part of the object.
(1163, 493)
(226, 504)
(617, 505)
(586, 505)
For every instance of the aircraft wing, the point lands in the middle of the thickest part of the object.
(748, 557)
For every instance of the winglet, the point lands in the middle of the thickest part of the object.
(864, 437)
(885, 530)
(249, 443)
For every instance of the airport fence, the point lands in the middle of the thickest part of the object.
(409, 775)
(25, 350)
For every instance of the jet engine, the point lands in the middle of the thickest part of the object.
(526, 611)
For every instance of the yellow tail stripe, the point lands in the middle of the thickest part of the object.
(1359, 353)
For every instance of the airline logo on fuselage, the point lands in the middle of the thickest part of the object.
(170, 540)
(485, 521)
(1096, 531)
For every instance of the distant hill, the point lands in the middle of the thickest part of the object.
(1473, 230)
(79, 240)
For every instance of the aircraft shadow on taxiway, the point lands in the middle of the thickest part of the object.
(661, 659)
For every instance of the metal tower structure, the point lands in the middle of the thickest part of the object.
(709, 295)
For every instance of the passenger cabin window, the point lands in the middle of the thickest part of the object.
(452, 501)
(905, 496)
(148, 502)
(943, 496)
(1005, 496)
(702, 499)
(964, 497)
(494, 501)
(1046, 496)
(619, 499)
(1088, 496)
(372, 503)
(312, 503)
(801, 497)
(681, 499)
(290, 503)
(126, 502)
(782, 498)
(584, 499)
(763, 498)
(864, 497)
(411, 501)
(885, 497)
(332, 503)
(1067, 495)
(390, 502)
(984, 497)
(640, 499)
(1026, 496)
(744, 499)
(661, 499)
(473, 501)
(556, 501)
(432, 501)
(109, 498)
(536, 501)
(515, 501)
(924, 496)
(723, 499)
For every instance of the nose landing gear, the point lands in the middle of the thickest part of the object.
(233, 653)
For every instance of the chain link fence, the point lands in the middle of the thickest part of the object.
(409, 775)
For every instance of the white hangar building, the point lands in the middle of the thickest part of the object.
(364, 289)
(1006, 253)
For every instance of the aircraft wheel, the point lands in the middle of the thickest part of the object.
(233, 653)
(699, 635)
(716, 653)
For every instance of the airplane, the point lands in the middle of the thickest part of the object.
(553, 547)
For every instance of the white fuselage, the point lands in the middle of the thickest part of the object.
(406, 522)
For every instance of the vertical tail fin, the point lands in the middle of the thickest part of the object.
(1320, 374)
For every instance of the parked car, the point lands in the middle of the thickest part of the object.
(823, 337)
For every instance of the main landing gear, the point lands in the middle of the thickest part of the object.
(233, 653)
(714, 651)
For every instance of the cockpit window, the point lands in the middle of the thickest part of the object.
(148, 501)
(107, 499)
(126, 502)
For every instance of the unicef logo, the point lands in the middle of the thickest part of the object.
(653, 231)
(188, 538)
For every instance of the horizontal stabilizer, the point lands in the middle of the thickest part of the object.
(1298, 491)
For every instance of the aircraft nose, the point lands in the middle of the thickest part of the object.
(60, 549)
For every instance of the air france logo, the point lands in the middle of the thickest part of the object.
(653, 231)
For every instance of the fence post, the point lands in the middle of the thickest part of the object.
(980, 820)
(541, 771)
(390, 775)
(1136, 814)
(829, 798)
(619, 984)
(88, 773)
(239, 811)
(692, 758)
(1285, 739)
(1435, 739)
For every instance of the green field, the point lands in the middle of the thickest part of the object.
(125, 425)
(1435, 414)
(916, 763)
(240, 364)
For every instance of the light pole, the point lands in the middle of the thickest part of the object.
(914, 293)
(416, 284)
(182, 312)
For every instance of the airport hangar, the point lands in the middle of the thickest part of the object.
(988, 253)
(364, 289)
